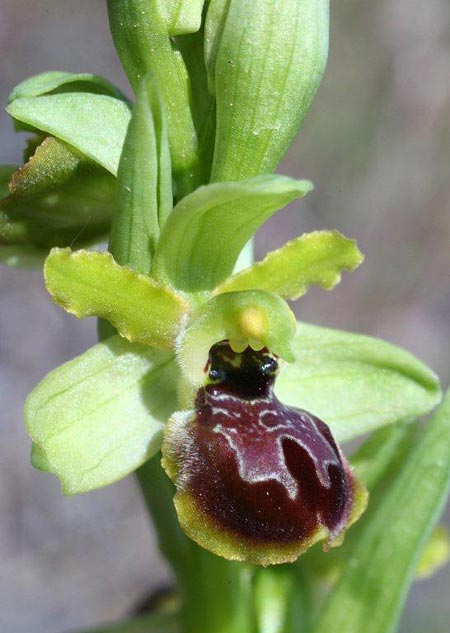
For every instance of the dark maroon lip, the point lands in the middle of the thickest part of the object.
(263, 471)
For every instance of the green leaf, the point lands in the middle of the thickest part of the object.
(93, 284)
(57, 198)
(206, 231)
(355, 383)
(313, 258)
(100, 416)
(144, 182)
(254, 317)
(384, 448)
(263, 55)
(371, 591)
(57, 82)
(94, 124)
(135, 23)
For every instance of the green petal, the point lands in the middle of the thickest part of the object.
(263, 55)
(206, 231)
(144, 182)
(56, 82)
(93, 284)
(93, 124)
(371, 591)
(100, 416)
(313, 258)
(255, 317)
(355, 383)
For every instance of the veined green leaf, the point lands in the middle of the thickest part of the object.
(206, 231)
(313, 258)
(380, 452)
(57, 82)
(263, 55)
(254, 317)
(94, 124)
(58, 198)
(144, 182)
(372, 589)
(100, 416)
(93, 284)
(355, 383)
(135, 23)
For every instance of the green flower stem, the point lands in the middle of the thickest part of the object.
(216, 594)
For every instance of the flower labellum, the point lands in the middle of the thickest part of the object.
(256, 480)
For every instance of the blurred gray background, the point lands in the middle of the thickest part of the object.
(377, 146)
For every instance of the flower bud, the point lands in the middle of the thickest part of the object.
(256, 480)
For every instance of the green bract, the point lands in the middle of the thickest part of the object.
(265, 60)
(207, 230)
(144, 182)
(93, 124)
(93, 284)
(100, 416)
(354, 382)
(57, 82)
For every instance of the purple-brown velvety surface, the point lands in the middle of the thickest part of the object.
(261, 470)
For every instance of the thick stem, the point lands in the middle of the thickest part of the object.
(216, 594)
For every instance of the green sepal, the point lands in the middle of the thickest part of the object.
(100, 416)
(207, 230)
(93, 124)
(93, 284)
(389, 540)
(264, 55)
(355, 383)
(58, 198)
(144, 182)
(254, 317)
(135, 23)
(57, 82)
(313, 258)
